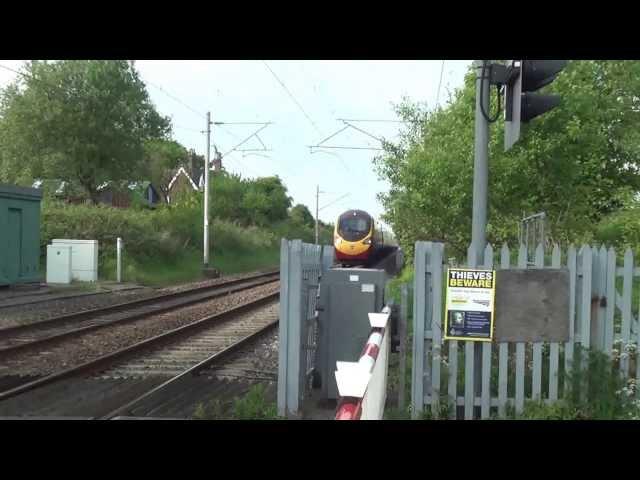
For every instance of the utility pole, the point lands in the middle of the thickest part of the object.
(206, 194)
(317, 209)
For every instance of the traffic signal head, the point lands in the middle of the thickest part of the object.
(521, 105)
(538, 73)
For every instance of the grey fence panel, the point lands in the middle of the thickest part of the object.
(469, 357)
(520, 347)
(585, 303)
(592, 316)
(611, 304)
(625, 331)
(554, 347)
(536, 388)
(503, 364)
(573, 272)
(419, 317)
(601, 282)
(283, 329)
(435, 270)
(485, 407)
(300, 272)
(452, 388)
(404, 300)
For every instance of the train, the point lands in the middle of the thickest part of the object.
(356, 239)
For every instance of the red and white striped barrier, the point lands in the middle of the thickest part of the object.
(362, 384)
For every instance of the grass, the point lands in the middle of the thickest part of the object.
(188, 266)
(253, 406)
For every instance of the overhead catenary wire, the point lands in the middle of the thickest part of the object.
(55, 88)
(246, 139)
(292, 97)
(188, 128)
(173, 97)
(439, 85)
(335, 201)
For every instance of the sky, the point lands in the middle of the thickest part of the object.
(304, 100)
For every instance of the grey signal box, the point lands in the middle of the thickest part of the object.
(347, 296)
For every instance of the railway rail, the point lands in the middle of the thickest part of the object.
(117, 384)
(43, 297)
(23, 337)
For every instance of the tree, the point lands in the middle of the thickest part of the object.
(227, 193)
(266, 201)
(79, 121)
(301, 214)
(161, 158)
(578, 163)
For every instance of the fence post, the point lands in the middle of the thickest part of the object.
(404, 298)
(485, 408)
(119, 259)
(503, 362)
(520, 346)
(283, 328)
(437, 256)
(472, 359)
(625, 330)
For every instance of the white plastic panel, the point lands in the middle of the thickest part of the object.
(84, 258)
(59, 264)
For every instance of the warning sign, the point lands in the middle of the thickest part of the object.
(470, 304)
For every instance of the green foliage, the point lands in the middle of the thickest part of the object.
(621, 229)
(300, 214)
(578, 163)
(252, 406)
(77, 120)
(260, 201)
(393, 285)
(594, 390)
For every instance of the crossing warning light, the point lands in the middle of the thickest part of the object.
(521, 105)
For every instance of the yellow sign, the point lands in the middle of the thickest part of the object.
(470, 304)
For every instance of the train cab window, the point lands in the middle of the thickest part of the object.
(354, 227)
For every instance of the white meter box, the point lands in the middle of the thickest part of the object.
(58, 264)
(84, 258)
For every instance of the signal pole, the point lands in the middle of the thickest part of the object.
(480, 164)
(206, 194)
(480, 190)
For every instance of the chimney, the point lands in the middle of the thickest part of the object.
(217, 162)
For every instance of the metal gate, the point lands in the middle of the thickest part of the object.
(301, 267)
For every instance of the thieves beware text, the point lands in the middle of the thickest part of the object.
(470, 304)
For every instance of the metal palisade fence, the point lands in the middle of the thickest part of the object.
(301, 267)
(602, 316)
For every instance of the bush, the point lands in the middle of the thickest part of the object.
(161, 245)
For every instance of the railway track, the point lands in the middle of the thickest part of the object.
(39, 334)
(150, 372)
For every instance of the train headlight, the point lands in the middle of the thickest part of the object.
(338, 240)
(367, 241)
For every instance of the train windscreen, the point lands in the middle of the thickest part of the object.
(354, 227)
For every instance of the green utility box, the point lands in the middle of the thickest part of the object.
(19, 234)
